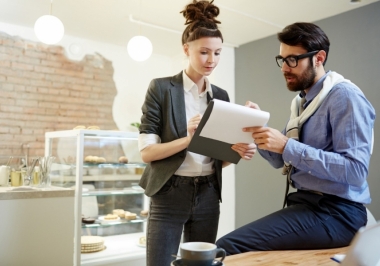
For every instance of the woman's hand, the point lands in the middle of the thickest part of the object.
(246, 151)
(252, 105)
(192, 126)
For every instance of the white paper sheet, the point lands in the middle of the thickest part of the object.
(227, 120)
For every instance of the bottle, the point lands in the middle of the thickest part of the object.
(36, 175)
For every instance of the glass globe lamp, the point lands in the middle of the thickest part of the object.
(139, 48)
(49, 29)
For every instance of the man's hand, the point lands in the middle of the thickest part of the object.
(267, 138)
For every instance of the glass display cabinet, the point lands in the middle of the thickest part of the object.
(104, 168)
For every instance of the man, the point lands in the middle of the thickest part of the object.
(325, 151)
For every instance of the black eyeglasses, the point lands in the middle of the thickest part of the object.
(292, 60)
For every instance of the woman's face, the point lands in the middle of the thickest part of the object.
(203, 55)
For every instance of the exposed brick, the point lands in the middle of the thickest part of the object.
(34, 110)
(35, 54)
(42, 83)
(55, 49)
(27, 60)
(17, 80)
(19, 88)
(48, 105)
(33, 75)
(5, 63)
(75, 80)
(42, 90)
(7, 87)
(51, 63)
(10, 123)
(26, 103)
(7, 101)
(15, 130)
(7, 72)
(11, 50)
(81, 87)
(55, 78)
(21, 66)
(43, 69)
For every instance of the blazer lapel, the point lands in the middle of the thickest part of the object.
(178, 105)
(215, 94)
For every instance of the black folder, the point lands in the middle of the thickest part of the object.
(210, 147)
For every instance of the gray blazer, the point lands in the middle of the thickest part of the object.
(164, 114)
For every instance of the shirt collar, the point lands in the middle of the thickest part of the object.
(188, 84)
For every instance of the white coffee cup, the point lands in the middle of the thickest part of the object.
(200, 253)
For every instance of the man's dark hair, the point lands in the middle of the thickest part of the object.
(307, 35)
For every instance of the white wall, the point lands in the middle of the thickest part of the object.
(132, 79)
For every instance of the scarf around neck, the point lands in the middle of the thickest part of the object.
(296, 119)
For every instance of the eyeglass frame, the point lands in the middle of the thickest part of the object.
(296, 57)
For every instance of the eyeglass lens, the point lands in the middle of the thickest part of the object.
(290, 61)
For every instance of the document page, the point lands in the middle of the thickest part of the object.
(227, 120)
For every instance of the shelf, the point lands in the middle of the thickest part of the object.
(113, 191)
(103, 134)
(89, 178)
(114, 165)
(110, 223)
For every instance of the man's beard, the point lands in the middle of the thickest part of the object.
(305, 81)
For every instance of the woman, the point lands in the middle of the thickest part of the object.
(185, 188)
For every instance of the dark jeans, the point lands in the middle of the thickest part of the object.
(190, 204)
(310, 221)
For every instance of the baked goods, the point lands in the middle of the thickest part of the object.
(80, 127)
(111, 217)
(90, 159)
(130, 216)
(144, 213)
(91, 244)
(100, 160)
(93, 128)
(119, 212)
(142, 241)
(123, 159)
(94, 159)
(88, 220)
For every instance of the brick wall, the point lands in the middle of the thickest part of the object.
(42, 90)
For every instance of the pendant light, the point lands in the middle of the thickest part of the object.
(139, 47)
(48, 28)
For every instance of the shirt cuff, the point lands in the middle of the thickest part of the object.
(293, 152)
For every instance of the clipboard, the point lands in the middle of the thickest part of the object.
(210, 147)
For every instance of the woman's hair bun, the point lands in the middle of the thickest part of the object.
(201, 11)
(201, 21)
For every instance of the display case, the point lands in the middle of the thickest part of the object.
(104, 168)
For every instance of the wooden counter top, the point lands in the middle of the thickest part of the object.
(286, 257)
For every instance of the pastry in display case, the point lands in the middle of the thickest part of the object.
(105, 166)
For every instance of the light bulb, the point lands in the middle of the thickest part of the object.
(49, 29)
(139, 48)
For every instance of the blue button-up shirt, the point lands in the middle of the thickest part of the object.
(335, 145)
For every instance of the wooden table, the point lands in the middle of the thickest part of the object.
(285, 257)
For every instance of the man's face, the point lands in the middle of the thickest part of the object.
(301, 77)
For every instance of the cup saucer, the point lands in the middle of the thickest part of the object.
(179, 262)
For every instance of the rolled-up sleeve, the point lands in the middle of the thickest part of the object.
(147, 139)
